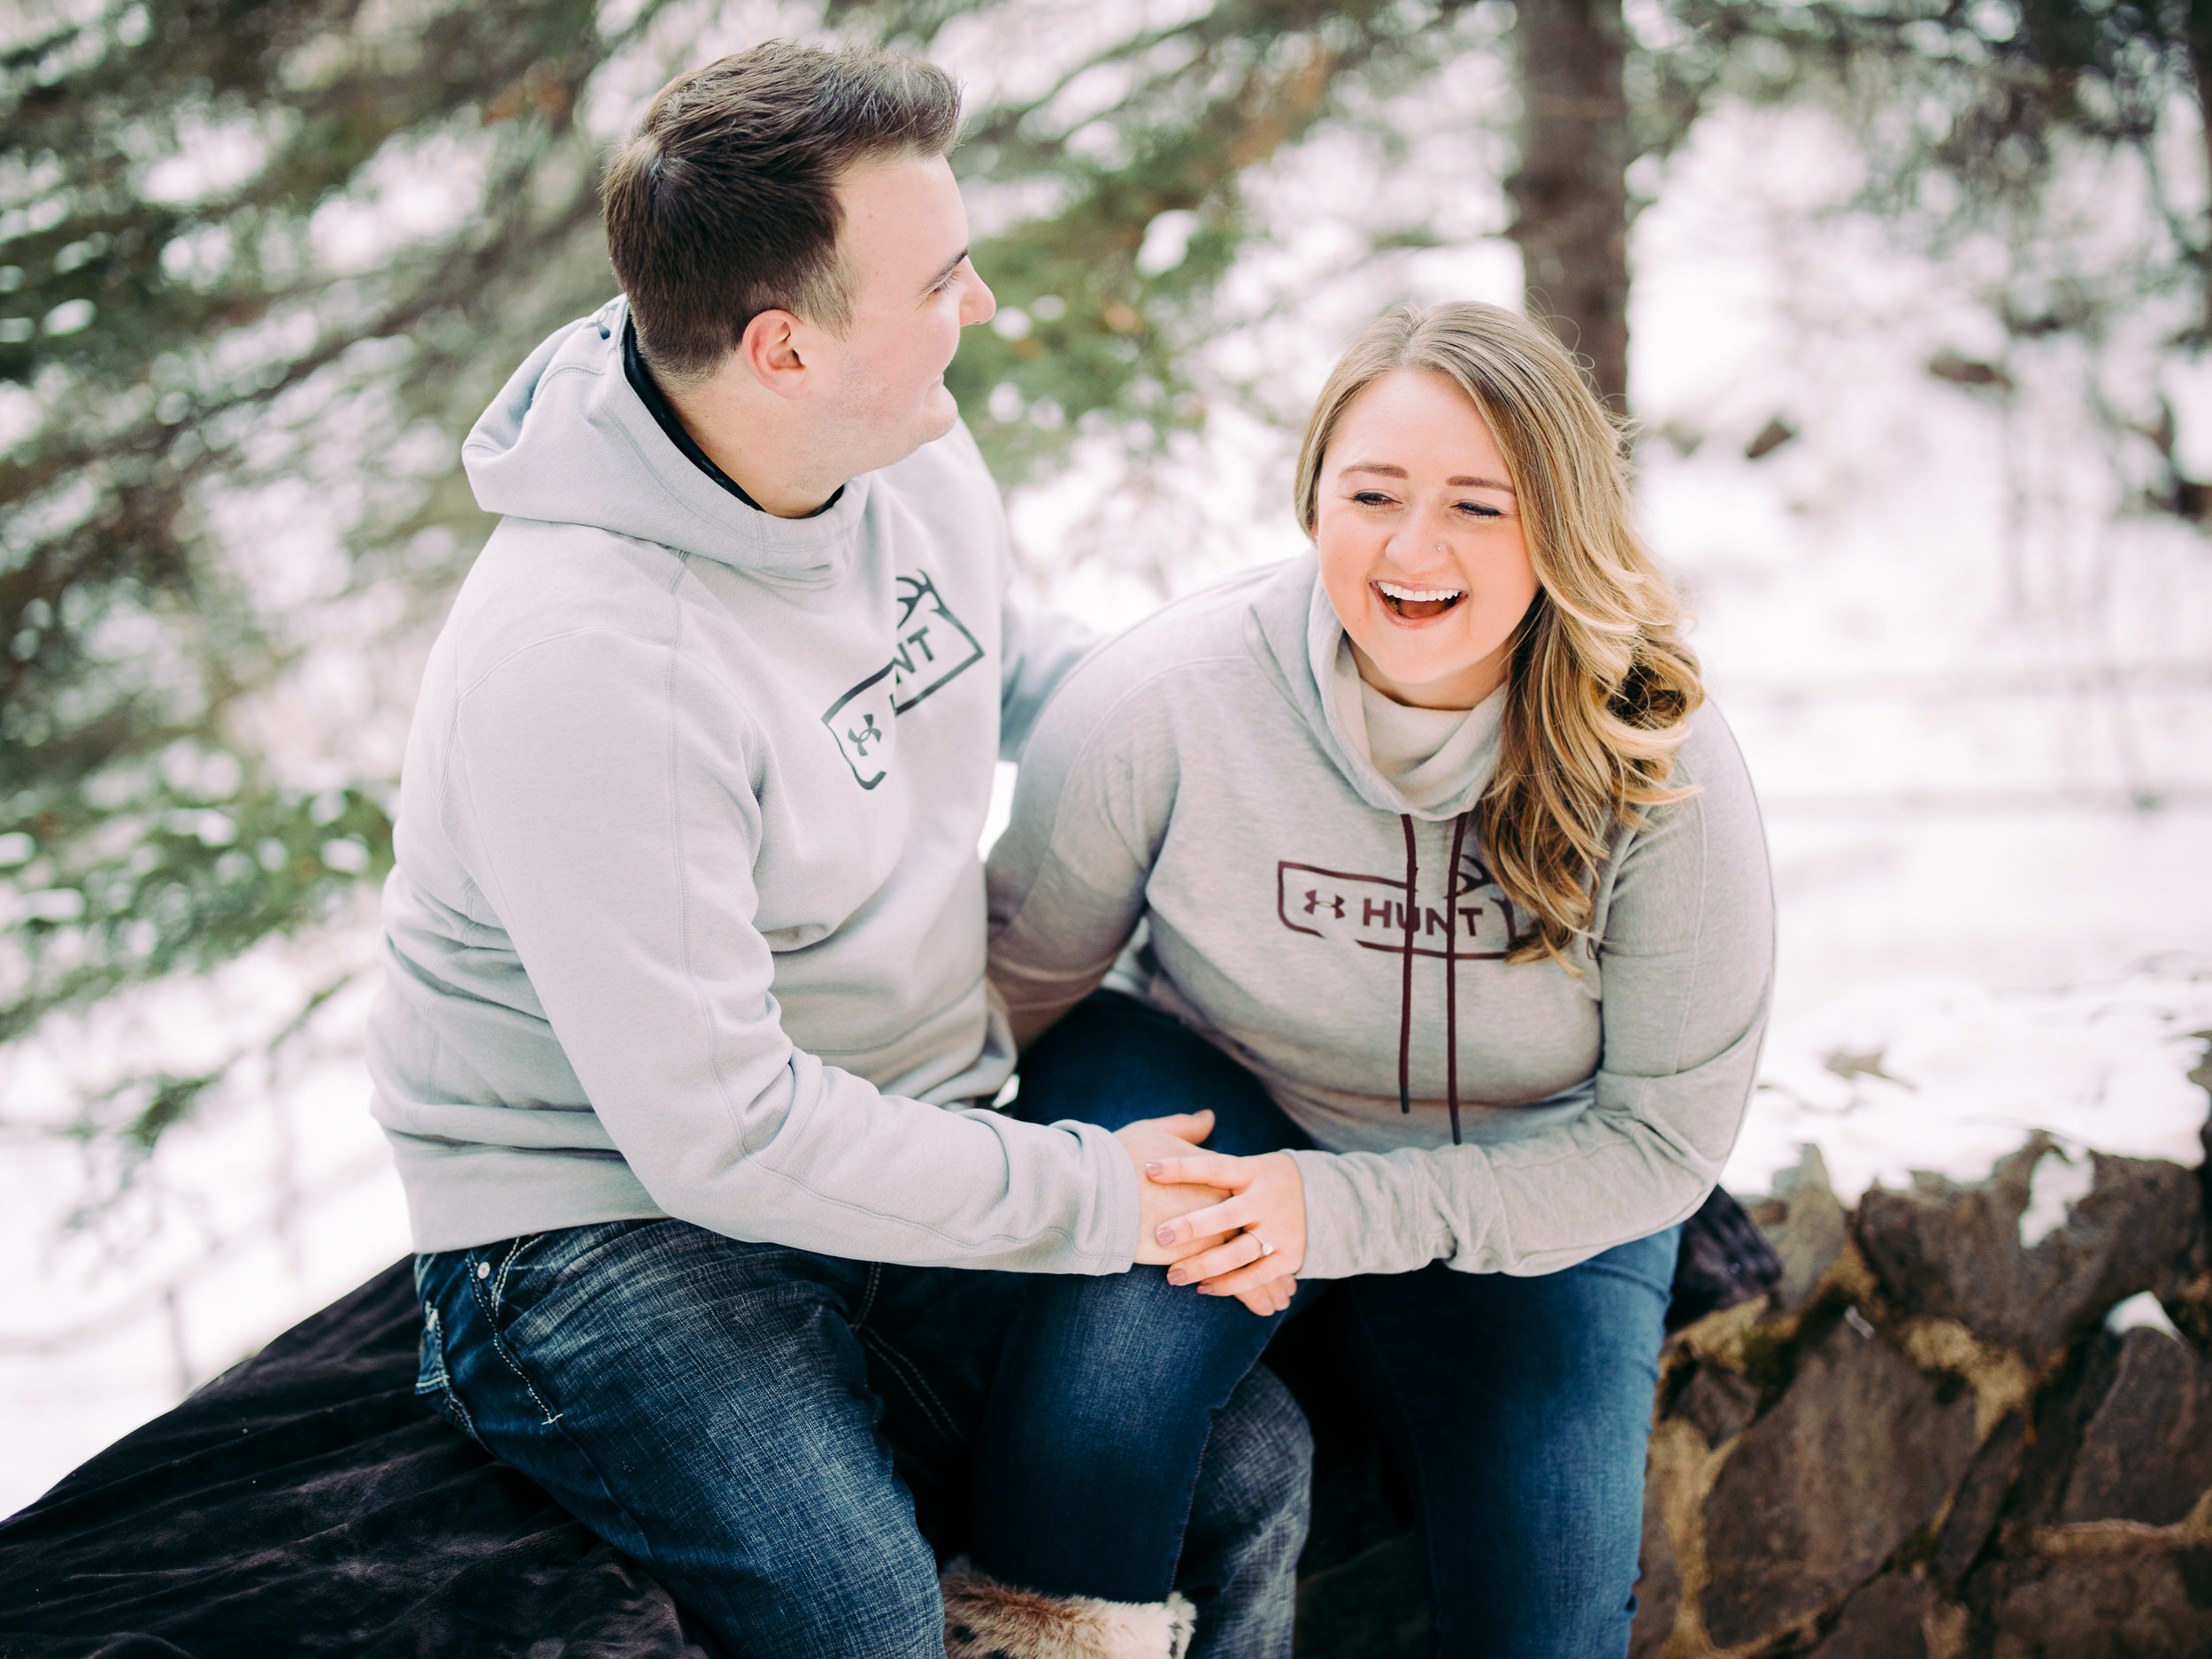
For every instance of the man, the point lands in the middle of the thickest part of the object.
(686, 1050)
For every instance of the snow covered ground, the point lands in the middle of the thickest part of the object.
(1972, 683)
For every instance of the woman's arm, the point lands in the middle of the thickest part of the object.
(1687, 966)
(1067, 879)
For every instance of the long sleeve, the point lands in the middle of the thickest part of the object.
(637, 931)
(1040, 647)
(1066, 882)
(1687, 971)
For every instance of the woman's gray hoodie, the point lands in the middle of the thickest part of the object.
(1208, 773)
(687, 917)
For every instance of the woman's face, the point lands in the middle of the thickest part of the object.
(1421, 546)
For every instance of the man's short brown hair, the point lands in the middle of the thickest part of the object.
(725, 206)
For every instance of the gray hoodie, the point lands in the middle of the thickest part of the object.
(1208, 774)
(687, 916)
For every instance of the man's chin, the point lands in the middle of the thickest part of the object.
(940, 413)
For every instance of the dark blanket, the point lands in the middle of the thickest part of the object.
(305, 1503)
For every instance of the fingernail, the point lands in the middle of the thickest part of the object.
(1165, 1235)
(1175, 1278)
(1153, 1169)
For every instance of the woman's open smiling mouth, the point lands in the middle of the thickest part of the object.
(1417, 604)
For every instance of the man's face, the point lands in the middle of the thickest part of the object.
(904, 245)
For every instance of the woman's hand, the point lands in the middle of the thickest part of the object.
(1146, 1142)
(1266, 1208)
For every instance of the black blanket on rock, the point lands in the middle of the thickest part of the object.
(308, 1503)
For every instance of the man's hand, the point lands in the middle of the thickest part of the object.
(1220, 1247)
(1152, 1141)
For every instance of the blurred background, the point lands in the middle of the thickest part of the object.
(1910, 300)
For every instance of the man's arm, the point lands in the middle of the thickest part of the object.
(599, 791)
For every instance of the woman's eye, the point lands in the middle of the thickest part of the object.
(1371, 498)
(1479, 510)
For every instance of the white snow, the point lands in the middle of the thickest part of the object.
(2141, 1311)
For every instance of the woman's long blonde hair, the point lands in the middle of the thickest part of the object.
(1600, 685)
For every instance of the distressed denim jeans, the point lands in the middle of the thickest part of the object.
(726, 1412)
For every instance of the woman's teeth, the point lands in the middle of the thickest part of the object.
(1417, 604)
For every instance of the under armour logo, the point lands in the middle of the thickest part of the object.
(1314, 902)
(867, 735)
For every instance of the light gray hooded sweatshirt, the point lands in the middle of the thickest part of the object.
(1208, 774)
(688, 915)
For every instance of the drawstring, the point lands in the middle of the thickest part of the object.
(1405, 985)
(1451, 974)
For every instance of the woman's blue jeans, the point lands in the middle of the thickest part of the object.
(1516, 1407)
(726, 1412)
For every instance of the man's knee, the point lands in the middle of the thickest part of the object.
(1257, 1473)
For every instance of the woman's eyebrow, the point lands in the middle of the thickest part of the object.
(1460, 482)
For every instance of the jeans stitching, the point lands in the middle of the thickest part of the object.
(440, 1382)
(868, 1296)
(917, 1385)
(499, 1347)
(435, 1347)
(506, 1266)
(552, 1417)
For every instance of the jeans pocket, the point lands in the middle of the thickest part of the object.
(433, 1381)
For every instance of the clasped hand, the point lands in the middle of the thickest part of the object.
(1209, 1215)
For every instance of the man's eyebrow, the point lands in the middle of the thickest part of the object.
(1458, 481)
(945, 270)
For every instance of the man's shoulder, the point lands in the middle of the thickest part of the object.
(535, 583)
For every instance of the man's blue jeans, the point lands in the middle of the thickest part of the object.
(726, 1411)
(1516, 1407)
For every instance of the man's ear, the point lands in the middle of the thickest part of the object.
(779, 348)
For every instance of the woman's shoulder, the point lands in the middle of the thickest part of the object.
(1716, 815)
(1133, 699)
(1710, 762)
(1202, 634)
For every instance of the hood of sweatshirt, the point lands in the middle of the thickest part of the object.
(568, 441)
(1294, 633)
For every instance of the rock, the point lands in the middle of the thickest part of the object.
(1814, 1229)
(2157, 1605)
(1955, 1251)
(1658, 1577)
(2147, 1452)
(1980, 1496)
(1715, 1402)
(1857, 1455)
(1885, 1620)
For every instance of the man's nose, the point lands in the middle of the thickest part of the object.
(977, 304)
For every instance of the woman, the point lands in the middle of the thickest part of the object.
(1456, 912)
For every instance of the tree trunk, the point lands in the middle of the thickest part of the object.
(2197, 36)
(1570, 189)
